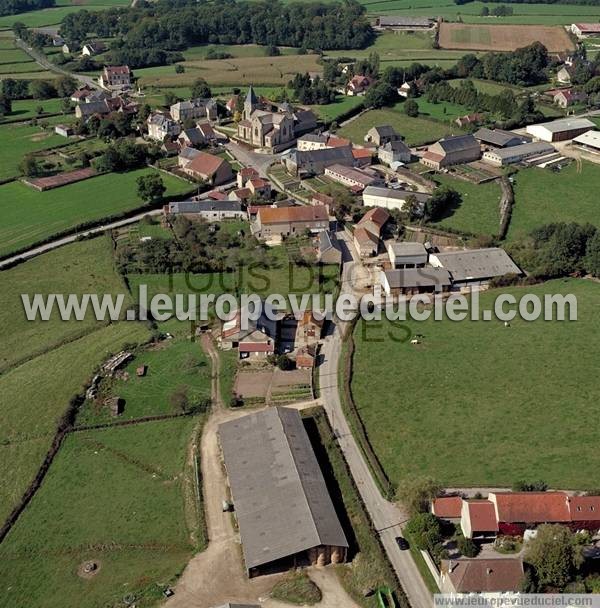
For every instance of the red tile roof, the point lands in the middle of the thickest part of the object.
(433, 156)
(205, 164)
(589, 27)
(447, 507)
(248, 172)
(585, 508)
(531, 507)
(323, 199)
(365, 237)
(275, 215)
(256, 347)
(258, 182)
(117, 69)
(338, 142)
(362, 153)
(481, 575)
(482, 515)
(377, 215)
(216, 195)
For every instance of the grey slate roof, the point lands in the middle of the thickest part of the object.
(332, 155)
(328, 241)
(500, 138)
(418, 277)
(200, 206)
(530, 149)
(396, 193)
(189, 153)
(279, 493)
(458, 143)
(386, 131)
(399, 21)
(567, 124)
(478, 264)
(408, 249)
(396, 146)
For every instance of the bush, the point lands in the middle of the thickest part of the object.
(530, 486)
(297, 588)
(424, 530)
(467, 547)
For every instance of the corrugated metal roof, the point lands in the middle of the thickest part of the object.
(418, 277)
(457, 143)
(567, 124)
(279, 493)
(536, 147)
(395, 193)
(499, 138)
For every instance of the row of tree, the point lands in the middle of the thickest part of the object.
(13, 7)
(153, 34)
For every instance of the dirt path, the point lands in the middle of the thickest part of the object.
(216, 575)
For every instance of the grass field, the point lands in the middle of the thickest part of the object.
(47, 16)
(171, 365)
(551, 14)
(78, 268)
(24, 139)
(333, 111)
(30, 216)
(416, 131)
(502, 37)
(488, 86)
(237, 71)
(36, 394)
(444, 110)
(24, 109)
(196, 53)
(122, 497)
(542, 197)
(478, 212)
(481, 404)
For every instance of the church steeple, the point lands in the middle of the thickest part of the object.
(251, 103)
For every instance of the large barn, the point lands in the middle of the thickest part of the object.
(560, 130)
(283, 508)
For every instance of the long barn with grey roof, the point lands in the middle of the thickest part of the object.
(475, 265)
(285, 515)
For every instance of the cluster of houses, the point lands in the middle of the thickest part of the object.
(297, 335)
(506, 514)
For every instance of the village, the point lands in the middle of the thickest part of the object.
(304, 460)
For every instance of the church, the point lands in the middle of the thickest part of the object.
(270, 125)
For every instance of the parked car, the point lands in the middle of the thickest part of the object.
(402, 543)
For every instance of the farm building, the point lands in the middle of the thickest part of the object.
(560, 130)
(309, 328)
(348, 176)
(209, 210)
(487, 576)
(329, 250)
(391, 198)
(394, 152)
(583, 30)
(399, 22)
(256, 345)
(475, 265)
(359, 84)
(314, 162)
(411, 281)
(285, 221)
(64, 130)
(498, 138)
(568, 97)
(93, 48)
(453, 150)
(366, 243)
(381, 135)
(407, 255)
(589, 141)
(212, 169)
(511, 513)
(470, 119)
(285, 515)
(516, 154)
(447, 508)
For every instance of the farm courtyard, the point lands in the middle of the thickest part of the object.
(477, 403)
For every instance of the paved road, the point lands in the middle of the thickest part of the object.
(249, 158)
(43, 61)
(387, 518)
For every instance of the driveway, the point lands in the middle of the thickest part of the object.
(250, 158)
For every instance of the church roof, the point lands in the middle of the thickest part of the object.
(251, 96)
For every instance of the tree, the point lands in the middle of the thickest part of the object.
(29, 166)
(200, 89)
(179, 399)
(485, 11)
(150, 187)
(380, 95)
(467, 547)
(5, 105)
(284, 363)
(592, 255)
(272, 51)
(411, 108)
(416, 493)
(42, 89)
(424, 530)
(170, 98)
(442, 201)
(179, 69)
(530, 486)
(554, 555)
(65, 86)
